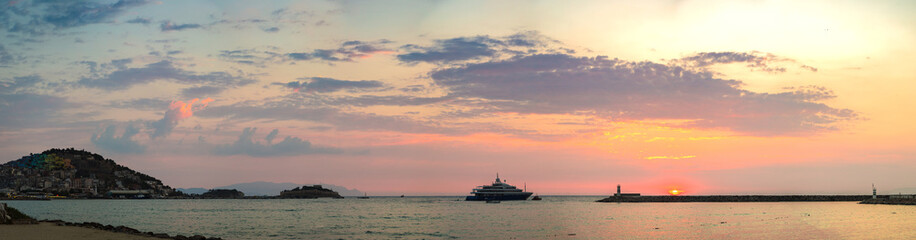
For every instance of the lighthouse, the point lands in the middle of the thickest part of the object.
(874, 192)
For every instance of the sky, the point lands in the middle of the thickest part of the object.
(437, 97)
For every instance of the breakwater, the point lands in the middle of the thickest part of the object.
(890, 201)
(740, 198)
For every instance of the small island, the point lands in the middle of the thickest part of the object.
(223, 194)
(314, 191)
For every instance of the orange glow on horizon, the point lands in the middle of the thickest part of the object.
(675, 192)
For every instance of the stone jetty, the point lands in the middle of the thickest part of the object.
(739, 198)
(893, 200)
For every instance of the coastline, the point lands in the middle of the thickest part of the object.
(16, 224)
(21, 226)
(57, 229)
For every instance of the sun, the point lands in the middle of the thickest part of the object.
(675, 191)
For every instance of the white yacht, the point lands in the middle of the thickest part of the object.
(499, 190)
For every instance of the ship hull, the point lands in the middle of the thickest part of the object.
(506, 197)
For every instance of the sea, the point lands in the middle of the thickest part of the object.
(555, 217)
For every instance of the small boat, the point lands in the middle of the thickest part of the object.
(536, 198)
(365, 196)
(402, 195)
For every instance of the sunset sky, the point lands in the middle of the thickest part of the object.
(436, 97)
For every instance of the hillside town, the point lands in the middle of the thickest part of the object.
(70, 173)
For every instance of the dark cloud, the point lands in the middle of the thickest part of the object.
(289, 146)
(66, 14)
(141, 104)
(528, 39)
(809, 68)
(413, 88)
(166, 26)
(397, 100)
(140, 20)
(298, 108)
(22, 104)
(754, 60)
(255, 57)
(100, 68)
(559, 83)
(124, 78)
(123, 144)
(272, 135)
(325, 85)
(479, 47)
(19, 84)
(327, 113)
(450, 50)
(40, 16)
(7, 58)
(347, 52)
(201, 92)
(20, 110)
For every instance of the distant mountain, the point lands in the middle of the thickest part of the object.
(193, 190)
(77, 173)
(274, 189)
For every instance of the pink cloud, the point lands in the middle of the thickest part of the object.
(178, 110)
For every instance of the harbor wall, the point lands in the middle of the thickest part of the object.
(740, 198)
(890, 201)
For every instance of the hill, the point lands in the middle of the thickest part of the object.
(76, 173)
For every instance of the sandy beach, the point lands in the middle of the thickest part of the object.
(47, 230)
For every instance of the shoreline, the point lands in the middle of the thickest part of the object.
(58, 229)
(22, 226)
(49, 230)
(124, 230)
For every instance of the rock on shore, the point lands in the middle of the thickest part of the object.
(127, 230)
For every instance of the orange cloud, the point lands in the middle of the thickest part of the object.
(178, 111)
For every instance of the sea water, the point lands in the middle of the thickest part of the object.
(447, 218)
